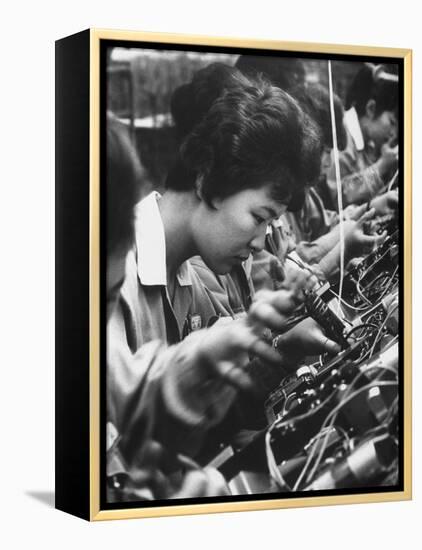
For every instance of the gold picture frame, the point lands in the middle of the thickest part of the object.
(81, 470)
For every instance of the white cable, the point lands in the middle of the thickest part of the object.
(271, 462)
(389, 314)
(314, 443)
(392, 181)
(333, 414)
(275, 472)
(366, 309)
(346, 397)
(338, 182)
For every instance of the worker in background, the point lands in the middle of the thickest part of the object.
(369, 162)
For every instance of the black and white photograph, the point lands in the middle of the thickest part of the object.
(252, 230)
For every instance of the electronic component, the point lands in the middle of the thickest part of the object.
(334, 422)
(332, 325)
(383, 260)
(369, 461)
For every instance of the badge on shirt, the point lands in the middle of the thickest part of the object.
(195, 322)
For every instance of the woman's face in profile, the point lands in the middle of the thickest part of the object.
(383, 128)
(325, 160)
(227, 232)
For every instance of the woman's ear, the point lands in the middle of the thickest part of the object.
(199, 185)
(215, 202)
(370, 109)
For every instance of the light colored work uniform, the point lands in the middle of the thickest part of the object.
(233, 291)
(152, 396)
(145, 311)
(145, 316)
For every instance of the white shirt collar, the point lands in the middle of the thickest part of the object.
(151, 245)
(351, 120)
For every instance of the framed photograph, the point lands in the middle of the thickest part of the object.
(233, 274)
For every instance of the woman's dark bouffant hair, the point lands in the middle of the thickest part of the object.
(190, 102)
(125, 179)
(315, 101)
(251, 134)
(283, 72)
(374, 82)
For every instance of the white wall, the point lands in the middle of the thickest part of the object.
(27, 270)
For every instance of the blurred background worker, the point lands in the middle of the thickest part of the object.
(370, 159)
(315, 227)
(312, 229)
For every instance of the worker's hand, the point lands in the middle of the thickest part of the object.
(306, 338)
(356, 239)
(206, 482)
(208, 367)
(386, 203)
(227, 346)
(149, 477)
(388, 161)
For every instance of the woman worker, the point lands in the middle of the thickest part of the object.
(182, 382)
(245, 155)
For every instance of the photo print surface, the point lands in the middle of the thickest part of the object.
(251, 237)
